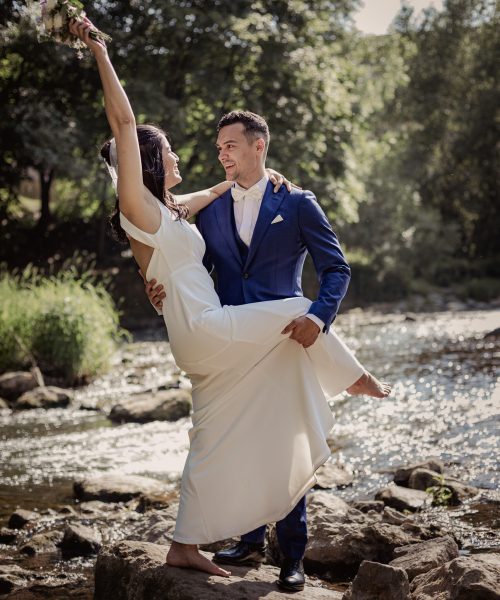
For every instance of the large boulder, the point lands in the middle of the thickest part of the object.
(402, 475)
(425, 556)
(375, 581)
(121, 488)
(402, 498)
(137, 571)
(13, 385)
(44, 397)
(168, 405)
(475, 577)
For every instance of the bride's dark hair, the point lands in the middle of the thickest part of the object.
(153, 175)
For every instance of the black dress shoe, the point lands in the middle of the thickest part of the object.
(242, 554)
(292, 578)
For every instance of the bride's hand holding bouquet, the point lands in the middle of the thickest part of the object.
(84, 30)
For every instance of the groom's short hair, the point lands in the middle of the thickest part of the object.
(255, 125)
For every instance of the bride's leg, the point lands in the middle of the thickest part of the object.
(188, 555)
(261, 323)
(338, 369)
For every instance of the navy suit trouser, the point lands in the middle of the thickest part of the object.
(291, 532)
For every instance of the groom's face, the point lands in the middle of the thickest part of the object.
(237, 154)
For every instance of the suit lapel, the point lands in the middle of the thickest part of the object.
(223, 208)
(268, 209)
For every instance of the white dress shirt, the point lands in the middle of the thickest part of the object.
(246, 203)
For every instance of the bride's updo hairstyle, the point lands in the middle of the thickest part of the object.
(153, 175)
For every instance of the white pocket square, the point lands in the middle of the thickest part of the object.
(277, 219)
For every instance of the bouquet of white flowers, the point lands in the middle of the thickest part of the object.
(55, 17)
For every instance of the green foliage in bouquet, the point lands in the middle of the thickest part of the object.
(66, 324)
(54, 17)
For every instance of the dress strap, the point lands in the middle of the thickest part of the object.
(150, 239)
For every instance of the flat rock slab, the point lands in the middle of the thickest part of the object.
(120, 488)
(137, 571)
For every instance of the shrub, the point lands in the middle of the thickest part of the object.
(66, 324)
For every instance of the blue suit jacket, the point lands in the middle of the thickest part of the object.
(273, 268)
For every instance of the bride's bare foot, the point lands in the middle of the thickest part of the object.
(369, 385)
(188, 555)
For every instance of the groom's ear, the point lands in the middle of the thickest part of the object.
(261, 145)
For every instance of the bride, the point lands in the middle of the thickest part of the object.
(247, 376)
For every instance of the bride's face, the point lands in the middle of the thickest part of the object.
(170, 164)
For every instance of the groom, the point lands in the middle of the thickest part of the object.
(257, 240)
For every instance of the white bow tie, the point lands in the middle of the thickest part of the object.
(251, 194)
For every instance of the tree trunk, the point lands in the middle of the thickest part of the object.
(46, 178)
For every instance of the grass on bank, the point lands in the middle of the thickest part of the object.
(67, 324)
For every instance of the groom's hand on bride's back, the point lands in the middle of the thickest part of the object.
(155, 293)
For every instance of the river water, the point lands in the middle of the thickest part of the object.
(445, 403)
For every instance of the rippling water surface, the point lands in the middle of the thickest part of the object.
(445, 403)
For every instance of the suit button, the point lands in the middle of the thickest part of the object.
(246, 276)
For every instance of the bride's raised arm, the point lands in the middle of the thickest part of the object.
(133, 204)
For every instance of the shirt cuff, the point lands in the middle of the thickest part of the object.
(316, 320)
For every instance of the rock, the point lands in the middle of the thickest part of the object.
(402, 474)
(13, 385)
(330, 476)
(475, 577)
(4, 405)
(492, 335)
(7, 536)
(44, 397)
(367, 505)
(421, 479)
(136, 571)
(79, 540)
(11, 576)
(21, 517)
(424, 556)
(322, 506)
(157, 527)
(391, 515)
(411, 317)
(168, 405)
(120, 488)
(42, 543)
(340, 537)
(375, 581)
(402, 498)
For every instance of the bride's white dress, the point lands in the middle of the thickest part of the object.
(260, 416)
